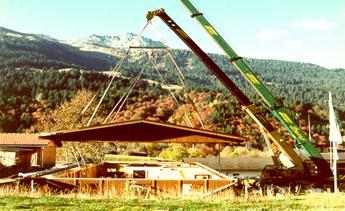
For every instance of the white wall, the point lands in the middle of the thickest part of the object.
(171, 173)
(7, 158)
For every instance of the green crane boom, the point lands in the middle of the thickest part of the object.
(277, 110)
(247, 105)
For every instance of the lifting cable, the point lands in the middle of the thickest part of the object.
(116, 69)
(130, 88)
(118, 102)
(75, 156)
(126, 94)
(178, 70)
(172, 94)
(168, 51)
(80, 155)
(196, 110)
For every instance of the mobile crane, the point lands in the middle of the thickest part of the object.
(300, 172)
(301, 141)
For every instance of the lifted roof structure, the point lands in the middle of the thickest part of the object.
(143, 131)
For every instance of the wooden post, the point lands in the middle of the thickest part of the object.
(154, 186)
(180, 187)
(106, 188)
(17, 185)
(246, 190)
(219, 189)
(100, 186)
(32, 186)
(260, 192)
(205, 187)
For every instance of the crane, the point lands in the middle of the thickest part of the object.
(301, 141)
(299, 169)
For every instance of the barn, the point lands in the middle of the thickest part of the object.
(27, 150)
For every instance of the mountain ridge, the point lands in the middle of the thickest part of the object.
(96, 52)
(116, 42)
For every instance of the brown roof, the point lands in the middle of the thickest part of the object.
(143, 131)
(22, 140)
(235, 163)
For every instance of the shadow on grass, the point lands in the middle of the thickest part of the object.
(43, 205)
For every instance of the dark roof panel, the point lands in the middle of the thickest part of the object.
(143, 131)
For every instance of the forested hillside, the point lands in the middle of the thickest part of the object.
(38, 74)
(293, 81)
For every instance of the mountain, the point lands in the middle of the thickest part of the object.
(44, 52)
(293, 81)
(8, 32)
(111, 44)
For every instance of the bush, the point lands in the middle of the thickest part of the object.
(227, 152)
(195, 153)
(240, 151)
(175, 152)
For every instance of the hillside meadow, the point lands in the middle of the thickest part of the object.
(311, 201)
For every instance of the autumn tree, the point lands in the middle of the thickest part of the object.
(67, 116)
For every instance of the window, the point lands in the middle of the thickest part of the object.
(139, 174)
(202, 176)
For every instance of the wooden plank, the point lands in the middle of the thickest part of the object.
(219, 189)
(7, 180)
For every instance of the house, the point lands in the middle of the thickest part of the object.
(235, 167)
(253, 166)
(27, 150)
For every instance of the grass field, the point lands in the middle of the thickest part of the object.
(129, 158)
(315, 201)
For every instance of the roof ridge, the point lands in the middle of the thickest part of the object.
(22, 139)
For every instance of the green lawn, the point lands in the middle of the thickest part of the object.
(130, 158)
(322, 201)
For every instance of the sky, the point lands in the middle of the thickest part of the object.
(307, 31)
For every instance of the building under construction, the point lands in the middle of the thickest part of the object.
(173, 178)
(124, 177)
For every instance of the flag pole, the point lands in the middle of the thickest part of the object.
(334, 139)
(309, 129)
(335, 167)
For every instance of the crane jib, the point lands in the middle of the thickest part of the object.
(278, 111)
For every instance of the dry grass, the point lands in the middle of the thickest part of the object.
(21, 197)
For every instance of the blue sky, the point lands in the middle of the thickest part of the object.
(294, 30)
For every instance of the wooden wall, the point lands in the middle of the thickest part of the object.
(85, 179)
(47, 155)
